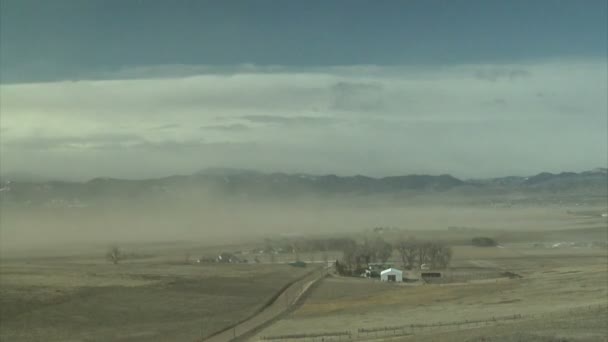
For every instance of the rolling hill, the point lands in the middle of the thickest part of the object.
(253, 184)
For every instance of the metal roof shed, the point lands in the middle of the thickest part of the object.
(391, 274)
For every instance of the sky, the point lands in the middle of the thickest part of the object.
(139, 89)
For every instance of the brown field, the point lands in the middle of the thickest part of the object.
(580, 326)
(557, 295)
(554, 289)
(156, 299)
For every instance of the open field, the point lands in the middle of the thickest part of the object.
(578, 325)
(88, 299)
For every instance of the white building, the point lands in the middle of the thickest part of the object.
(391, 274)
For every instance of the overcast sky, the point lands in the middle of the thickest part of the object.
(140, 89)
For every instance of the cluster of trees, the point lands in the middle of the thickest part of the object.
(356, 257)
(305, 245)
(115, 255)
(484, 242)
(414, 253)
(300, 245)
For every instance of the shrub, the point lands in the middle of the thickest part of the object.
(484, 242)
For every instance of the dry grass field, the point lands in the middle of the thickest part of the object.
(582, 326)
(557, 287)
(88, 299)
(560, 285)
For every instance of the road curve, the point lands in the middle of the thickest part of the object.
(278, 305)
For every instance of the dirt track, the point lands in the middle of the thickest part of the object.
(287, 298)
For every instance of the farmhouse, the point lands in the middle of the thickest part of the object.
(391, 274)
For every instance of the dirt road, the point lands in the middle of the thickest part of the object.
(278, 305)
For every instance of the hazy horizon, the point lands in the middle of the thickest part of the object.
(32, 176)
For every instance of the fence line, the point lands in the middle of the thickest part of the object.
(312, 335)
(412, 329)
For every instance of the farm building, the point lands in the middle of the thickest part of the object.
(411, 276)
(391, 274)
(373, 269)
(426, 275)
(226, 257)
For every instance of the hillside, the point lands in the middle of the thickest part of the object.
(252, 184)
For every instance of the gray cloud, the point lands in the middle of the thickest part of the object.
(228, 127)
(289, 120)
(169, 145)
(166, 126)
(496, 102)
(73, 142)
(180, 70)
(105, 142)
(357, 96)
(498, 74)
(321, 120)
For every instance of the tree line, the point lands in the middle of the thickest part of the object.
(286, 245)
(356, 257)
(434, 254)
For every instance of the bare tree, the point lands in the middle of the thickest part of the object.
(349, 254)
(433, 251)
(382, 250)
(296, 247)
(324, 255)
(115, 255)
(439, 255)
(444, 256)
(325, 258)
(422, 250)
(356, 257)
(408, 250)
(268, 247)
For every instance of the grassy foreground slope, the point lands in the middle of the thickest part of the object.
(69, 299)
(554, 283)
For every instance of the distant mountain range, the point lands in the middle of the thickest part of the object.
(253, 184)
(546, 179)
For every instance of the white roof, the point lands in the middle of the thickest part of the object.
(390, 270)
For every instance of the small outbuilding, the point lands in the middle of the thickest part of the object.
(391, 274)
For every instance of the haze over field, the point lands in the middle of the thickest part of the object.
(228, 205)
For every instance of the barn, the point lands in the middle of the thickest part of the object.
(391, 274)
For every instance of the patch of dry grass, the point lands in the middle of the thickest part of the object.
(65, 299)
(551, 284)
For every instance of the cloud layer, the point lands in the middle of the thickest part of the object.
(469, 120)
